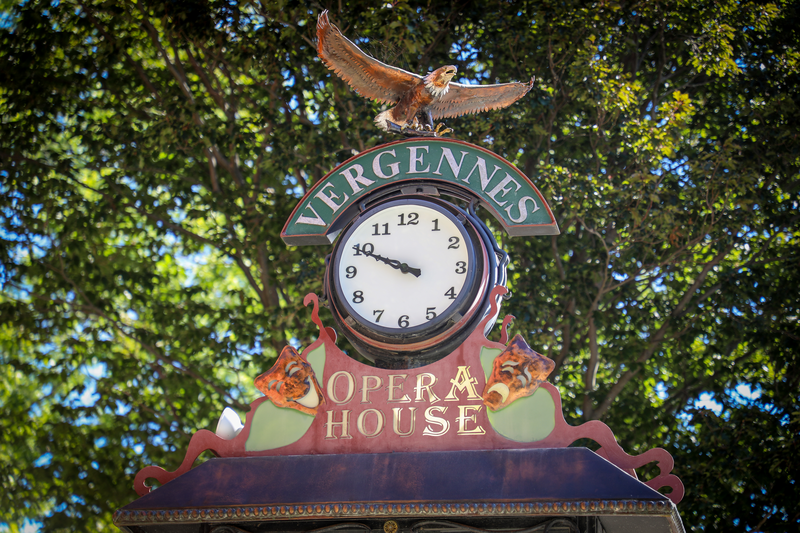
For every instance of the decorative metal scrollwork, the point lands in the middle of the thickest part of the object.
(454, 527)
(344, 525)
(444, 526)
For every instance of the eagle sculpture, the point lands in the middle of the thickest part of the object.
(419, 100)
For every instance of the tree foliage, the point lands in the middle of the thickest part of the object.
(150, 153)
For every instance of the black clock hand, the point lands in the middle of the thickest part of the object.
(402, 267)
(394, 263)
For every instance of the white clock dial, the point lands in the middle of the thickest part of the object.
(404, 267)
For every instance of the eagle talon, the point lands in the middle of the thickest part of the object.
(441, 129)
(416, 129)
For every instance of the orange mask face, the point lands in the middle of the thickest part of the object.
(516, 373)
(291, 383)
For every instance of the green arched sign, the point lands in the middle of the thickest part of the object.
(499, 186)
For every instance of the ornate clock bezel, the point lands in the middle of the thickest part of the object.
(428, 342)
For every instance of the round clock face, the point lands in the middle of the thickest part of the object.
(404, 268)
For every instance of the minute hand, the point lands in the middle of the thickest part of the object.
(394, 263)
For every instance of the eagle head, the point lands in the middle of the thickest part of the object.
(438, 81)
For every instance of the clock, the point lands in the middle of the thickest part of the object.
(408, 280)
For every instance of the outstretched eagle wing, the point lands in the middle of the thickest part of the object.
(466, 99)
(368, 76)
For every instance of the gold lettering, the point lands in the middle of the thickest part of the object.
(330, 197)
(464, 417)
(396, 415)
(366, 389)
(351, 386)
(463, 381)
(392, 386)
(501, 187)
(436, 420)
(422, 387)
(344, 425)
(362, 425)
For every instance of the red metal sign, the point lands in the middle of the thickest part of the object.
(485, 395)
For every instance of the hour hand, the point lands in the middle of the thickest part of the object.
(394, 263)
(402, 267)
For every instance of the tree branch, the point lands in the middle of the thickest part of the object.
(590, 378)
(658, 337)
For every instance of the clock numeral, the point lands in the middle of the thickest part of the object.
(378, 312)
(453, 242)
(436, 225)
(461, 267)
(385, 229)
(367, 249)
(430, 313)
(351, 272)
(451, 293)
(403, 321)
(358, 297)
(413, 219)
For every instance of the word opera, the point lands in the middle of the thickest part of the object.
(370, 421)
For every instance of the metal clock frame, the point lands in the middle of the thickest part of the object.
(428, 342)
(411, 334)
